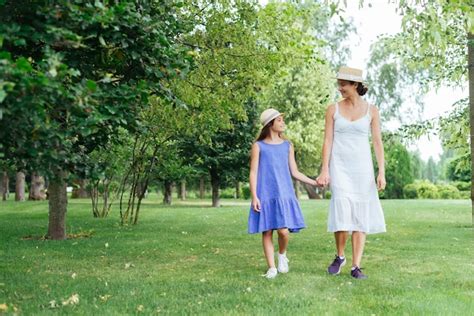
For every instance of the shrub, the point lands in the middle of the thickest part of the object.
(462, 185)
(447, 191)
(327, 195)
(465, 195)
(227, 193)
(410, 192)
(427, 190)
(421, 190)
(246, 191)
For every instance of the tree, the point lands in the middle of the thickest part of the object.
(73, 74)
(431, 171)
(398, 168)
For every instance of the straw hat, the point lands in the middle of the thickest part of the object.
(350, 74)
(268, 115)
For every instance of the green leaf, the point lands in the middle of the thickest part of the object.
(3, 95)
(23, 64)
(91, 85)
(102, 41)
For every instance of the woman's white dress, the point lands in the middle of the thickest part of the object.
(355, 204)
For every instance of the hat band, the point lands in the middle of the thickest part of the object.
(350, 77)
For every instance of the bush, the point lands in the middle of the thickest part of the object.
(447, 191)
(327, 195)
(427, 190)
(421, 190)
(227, 193)
(465, 195)
(462, 185)
(410, 192)
(246, 191)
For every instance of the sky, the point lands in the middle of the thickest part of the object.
(380, 18)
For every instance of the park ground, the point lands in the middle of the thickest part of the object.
(193, 259)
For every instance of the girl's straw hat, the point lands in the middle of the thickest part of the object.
(268, 115)
(350, 74)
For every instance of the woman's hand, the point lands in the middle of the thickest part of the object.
(256, 204)
(323, 179)
(381, 183)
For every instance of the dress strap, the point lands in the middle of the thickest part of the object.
(336, 112)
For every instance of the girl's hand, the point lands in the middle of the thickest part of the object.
(323, 179)
(314, 183)
(381, 183)
(256, 204)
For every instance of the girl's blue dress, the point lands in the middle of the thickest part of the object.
(279, 206)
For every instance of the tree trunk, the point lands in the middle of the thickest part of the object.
(20, 186)
(215, 183)
(57, 191)
(238, 190)
(80, 190)
(4, 183)
(167, 192)
(470, 46)
(182, 190)
(37, 188)
(297, 188)
(312, 194)
(202, 188)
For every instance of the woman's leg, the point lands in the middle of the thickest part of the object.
(267, 241)
(338, 263)
(341, 238)
(358, 242)
(283, 237)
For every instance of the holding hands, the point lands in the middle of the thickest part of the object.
(323, 179)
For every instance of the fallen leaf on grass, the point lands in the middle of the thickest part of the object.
(129, 265)
(3, 307)
(53, 304)
(74, 275)
(140, 308)
(73, 300)
(105, 297)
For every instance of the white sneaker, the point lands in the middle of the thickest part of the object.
(271, 273)
(283, 263)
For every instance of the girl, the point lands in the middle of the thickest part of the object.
(274, 204)
(347, 165)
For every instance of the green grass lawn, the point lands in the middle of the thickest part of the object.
(193, 259)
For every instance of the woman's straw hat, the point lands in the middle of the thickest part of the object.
(268, 115)
(350, 74)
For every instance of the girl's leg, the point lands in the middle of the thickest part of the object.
(358, 242)
(283, 237)
(267, 241)
(341, 238)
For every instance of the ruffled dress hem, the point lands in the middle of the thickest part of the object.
(276, 213)
(350, 215)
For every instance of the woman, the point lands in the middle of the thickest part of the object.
(347, 166)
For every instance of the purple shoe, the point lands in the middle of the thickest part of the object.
(357, 273)
(336, 265)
